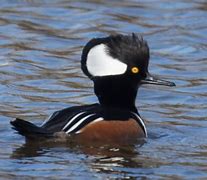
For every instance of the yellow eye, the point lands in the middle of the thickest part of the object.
(135, 70)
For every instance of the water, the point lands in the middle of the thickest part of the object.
(40, 48)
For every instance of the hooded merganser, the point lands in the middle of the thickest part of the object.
(117, 65)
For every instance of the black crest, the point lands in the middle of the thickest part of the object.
(130, 49)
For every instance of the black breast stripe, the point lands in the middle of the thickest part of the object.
(140, 122)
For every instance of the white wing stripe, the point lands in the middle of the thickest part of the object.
(96, 120)
(70, 121)
(78, 123)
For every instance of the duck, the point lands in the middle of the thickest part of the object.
(118, 66)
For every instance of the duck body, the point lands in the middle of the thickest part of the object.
(118, 66)
(87, 123)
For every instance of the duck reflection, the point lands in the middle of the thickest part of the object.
(104, 156)
(33, 148)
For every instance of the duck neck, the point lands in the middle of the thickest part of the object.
(116, 92)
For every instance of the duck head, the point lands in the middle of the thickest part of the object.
(118, 65)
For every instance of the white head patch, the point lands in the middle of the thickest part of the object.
(99, 63)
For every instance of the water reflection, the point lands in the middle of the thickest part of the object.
(36, 147)
(103, 159)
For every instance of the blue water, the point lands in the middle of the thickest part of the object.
(40, 48)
